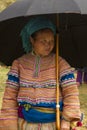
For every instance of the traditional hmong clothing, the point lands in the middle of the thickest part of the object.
(30, 96)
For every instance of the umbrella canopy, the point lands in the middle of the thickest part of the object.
(73, 39)
(32, 7)
(16, 16)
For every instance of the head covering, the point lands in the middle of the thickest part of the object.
(35, 24)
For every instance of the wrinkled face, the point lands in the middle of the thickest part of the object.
(43, 42)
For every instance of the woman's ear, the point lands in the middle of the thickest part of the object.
(31, 40)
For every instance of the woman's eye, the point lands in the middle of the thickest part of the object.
(43, 41)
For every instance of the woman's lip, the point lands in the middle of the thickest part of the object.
(47, 50)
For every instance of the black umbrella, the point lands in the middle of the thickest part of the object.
(15, 16)
(73, 46)
(73, 39)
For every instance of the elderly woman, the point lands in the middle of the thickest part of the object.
(29, 101)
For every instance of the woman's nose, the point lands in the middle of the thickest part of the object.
(47, 43)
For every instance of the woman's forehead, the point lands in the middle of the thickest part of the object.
(43, 32)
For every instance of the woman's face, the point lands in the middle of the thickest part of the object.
(43, 43)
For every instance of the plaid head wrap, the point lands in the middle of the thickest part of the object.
(35, 24)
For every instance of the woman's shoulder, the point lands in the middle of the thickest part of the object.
(24, 56)
(63, 61)
(22, 60)
(64, 65)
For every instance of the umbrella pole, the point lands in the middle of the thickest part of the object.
(57, 82)
(57, 89)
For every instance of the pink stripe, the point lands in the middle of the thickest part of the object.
(39, 126)
(7, 118)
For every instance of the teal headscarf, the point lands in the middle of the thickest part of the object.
(35, 24)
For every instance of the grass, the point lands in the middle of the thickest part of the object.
(5, 3)
(83, 101)
(82, 90)
(3, 76)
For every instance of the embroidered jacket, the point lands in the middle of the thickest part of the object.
(32, 80)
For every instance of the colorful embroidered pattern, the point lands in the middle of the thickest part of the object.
(40, 90)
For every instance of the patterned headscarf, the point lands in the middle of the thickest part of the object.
(35, 24)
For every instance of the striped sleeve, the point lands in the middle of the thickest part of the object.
(71, 108)
(9, 112)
